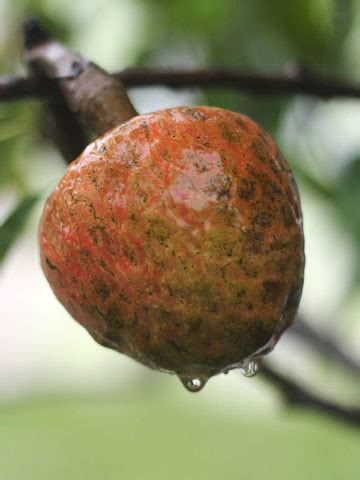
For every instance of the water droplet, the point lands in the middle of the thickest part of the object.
(193, 384)
(249, 368)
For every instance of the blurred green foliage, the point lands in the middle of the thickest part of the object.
(136, 437)
(13, 225)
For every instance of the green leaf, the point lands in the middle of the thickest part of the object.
(348, 197)
(13, 225)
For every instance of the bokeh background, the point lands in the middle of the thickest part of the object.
(72, 409)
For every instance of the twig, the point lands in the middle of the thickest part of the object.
(296, 396)
(324, 345)
(59, 123)
(14, 87)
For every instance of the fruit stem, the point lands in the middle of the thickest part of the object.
(98, 99)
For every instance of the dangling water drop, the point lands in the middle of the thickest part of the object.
(249, 368)
(193, 384)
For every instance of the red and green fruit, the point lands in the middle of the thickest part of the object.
(176, 238)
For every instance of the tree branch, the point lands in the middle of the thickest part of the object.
(14, 87)
(296, 396)
(325, 345)
(61, 126)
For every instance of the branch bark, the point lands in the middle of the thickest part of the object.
(12, 88)
(64, 130)
(325, 345)
(296, 396)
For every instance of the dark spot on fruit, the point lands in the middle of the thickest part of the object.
(269, 188)
(194, 114)
(105, 267)
(261, 151)
(158, 230)
(203, 141)
(242, 124)
(224, 191)
(116, 339)
(96, 233)
(203, 291)
(200, 164)
(102, 290)
(144, 127)
(134, 218)
(165, 154)
(51, 265)
(248, 269)
(124, 296)
(288, 216)
(229, 134)
(129, 252)
(219, 245)
(239, 296)
(264, 136)
(254, 241)
(263, 219)
(170, 290)
(176, 346)
(195, 326)
(97, 310)
(114, 317)
(246, 188)
(271, 290)
(135, 320)
(212, 307)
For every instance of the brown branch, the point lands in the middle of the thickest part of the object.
(13, 87)
(61, 126)
(296, 396)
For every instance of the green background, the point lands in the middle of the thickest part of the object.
(139, 437)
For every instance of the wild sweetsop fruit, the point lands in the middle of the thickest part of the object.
(176, 238)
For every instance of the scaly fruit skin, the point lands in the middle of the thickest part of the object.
(176, 238)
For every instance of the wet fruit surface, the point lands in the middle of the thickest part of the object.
(176, 238)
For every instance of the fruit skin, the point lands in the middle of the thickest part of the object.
(176, 238)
